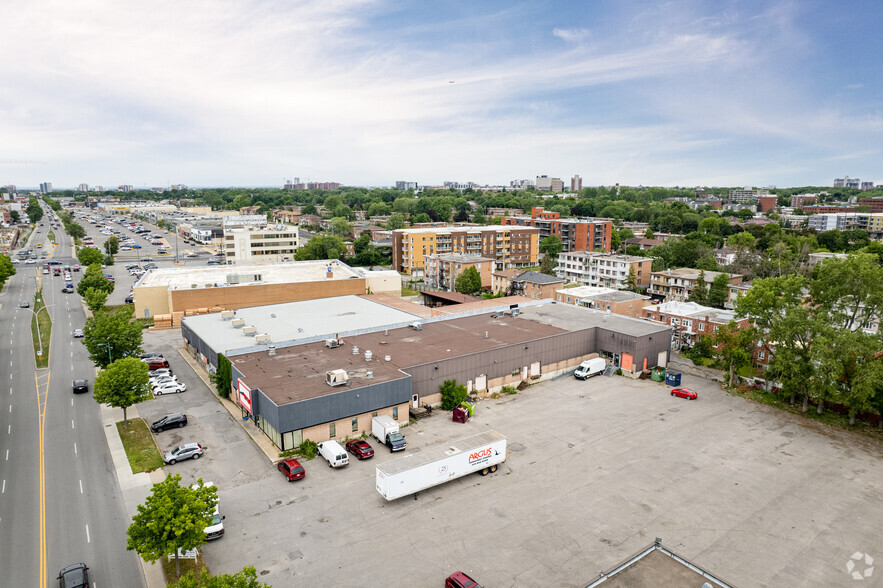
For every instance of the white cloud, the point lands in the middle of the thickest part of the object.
(571, 35)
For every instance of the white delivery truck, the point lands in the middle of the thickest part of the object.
(386, 431)
(589, 368)
(437, 465)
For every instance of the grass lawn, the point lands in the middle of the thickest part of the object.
(45, 331)
(187, 565)
(130, 308)
(409, 292)
(140, 447)
(51, 236)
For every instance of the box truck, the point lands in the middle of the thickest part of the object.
(589, 368)
(437, 465)
(386, 431)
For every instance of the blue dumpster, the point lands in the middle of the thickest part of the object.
(673, 378)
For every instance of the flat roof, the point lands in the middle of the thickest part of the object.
(620, 296)
(271, 273)
(577, 318)
(291, 321)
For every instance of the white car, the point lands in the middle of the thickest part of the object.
(169, 388)
(162, 381)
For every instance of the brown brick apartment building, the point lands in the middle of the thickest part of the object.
(575, 234)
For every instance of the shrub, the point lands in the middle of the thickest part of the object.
(452, 394)
(509, 390)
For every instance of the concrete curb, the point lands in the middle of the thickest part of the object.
(254, 433)
(134, 487)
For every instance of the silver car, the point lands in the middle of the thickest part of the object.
(182, 452)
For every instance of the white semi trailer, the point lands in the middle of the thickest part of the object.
(437, 465)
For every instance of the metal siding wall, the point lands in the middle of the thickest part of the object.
(266, 409)
(203, 347)
(342, 404)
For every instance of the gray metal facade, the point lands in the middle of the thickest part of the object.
(197, 343)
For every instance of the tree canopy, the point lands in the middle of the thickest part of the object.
(468, 282)
(247, 577)
(89, 255)
(111, 335)
(94, 279)
(122, 384)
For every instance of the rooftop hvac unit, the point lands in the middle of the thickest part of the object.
(355, 350)
(417, 326)
(369, 374)
(238, 323)
(387, 358)
(227, 315)
(271, 350)
(250, 331)
(368, 355)
(515, 312)
(332, 343)
(336, 378)
(262, 339)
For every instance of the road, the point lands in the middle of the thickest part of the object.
(69, 510)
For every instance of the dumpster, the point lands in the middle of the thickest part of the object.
(658, 374)
(468, 406)
(460, 415)
(673, 378)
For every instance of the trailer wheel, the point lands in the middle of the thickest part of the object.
(484, 472)
(493, 468)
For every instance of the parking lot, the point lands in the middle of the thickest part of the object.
(596, 471)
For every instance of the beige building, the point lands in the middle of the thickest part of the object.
(249, 239)
(167, 294)
(443, 269)
(676, 284)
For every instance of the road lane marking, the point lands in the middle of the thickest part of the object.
(81, 486)
(75, 447)
(87, 535)
(4, 487)
(72, 424)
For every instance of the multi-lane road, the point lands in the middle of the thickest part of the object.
(60, 502)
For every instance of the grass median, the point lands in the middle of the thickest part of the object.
(140, 447)
(41, 342)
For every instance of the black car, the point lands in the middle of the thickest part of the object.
(80, 386)
(74, 576)
(129, 299)
(150, 354)
(170, 421)
(24, 304)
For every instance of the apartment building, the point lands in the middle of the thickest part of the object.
(507, 246)
(250, 239)
(688, 320)
(874, 204)
(621, 302)
(677, 284)
(767, 203)
(801, 200)
(443, 269)
(870, 222)
(575, 234)
(747, 194)
(546, 184)
(589, 268)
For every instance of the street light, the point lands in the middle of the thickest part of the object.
(109, 347)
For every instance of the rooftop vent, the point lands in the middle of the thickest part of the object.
(387, 358)
(417, 326)
(238, 323)
(227, 315)
(332, 343)
(498, 314)
(368, 355)
(262, 339)
(355, 350)
(369, 374)
(515, 312)
(336, 378)
(250, 331)
(271, 350)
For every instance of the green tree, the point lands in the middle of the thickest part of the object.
(321, 247)
(378, 209)
(89, 255)
(741, 241)
(34, 210)
(421, 218)
(309, 209)
(452, 394)
(734, 346)
(14, 216)
(75, 230)
(110, 335)
(95, 299)
(340, 227)
(396, 221)
(719, 290)
(631, 281)
(343, 211)
(365, 253)
(548, 265)
(850, 290)
(223, 377)
(551, 246)
(122, 384)
(93, 278)
(172, 517)
(648, 234)
(247, 577)
(7, 269)
(699, 294)
(112, 245)
(468, 282)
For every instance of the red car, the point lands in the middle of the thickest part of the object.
(460, 580)
(685, 393)
(292, 469)
(360, 449)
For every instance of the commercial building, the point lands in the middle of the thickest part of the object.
(589, 268)
(507, 246)
(677, 284)
(249, 239)
(443, 269)
(575, 234)
(386, 362)
(405, 185)
(170, 293)
(547, 184)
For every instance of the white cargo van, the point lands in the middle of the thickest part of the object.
(215, 530)
(589, 368)
(334, 453)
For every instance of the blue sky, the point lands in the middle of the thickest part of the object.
(250, 92)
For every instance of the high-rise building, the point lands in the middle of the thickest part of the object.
(83, 188)
(576, 183)
(404, 185)
(45, 187)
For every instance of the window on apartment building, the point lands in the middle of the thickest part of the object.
(568, 300)
(715, 329)
(395, 413)
(701, 326)
(761, 354)
(332, 430)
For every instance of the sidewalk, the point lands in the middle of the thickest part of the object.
(252, 430)
(134, 487)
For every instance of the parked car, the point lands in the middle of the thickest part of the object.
(24, 304)
(78, 334)
(685, 393)
(74, 576)
(170, 421)
(149, 354)
(130, 299)
(182, 452)
(215, 529)
(156, 380)
(292, 469)
(159, 372)
(67, 290)
(155, 363)
(460, 580)
(80, 386)
(169, 388)
(361, 449)
(334, 454)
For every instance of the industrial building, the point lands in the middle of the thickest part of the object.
(384, 360)
(175, 291)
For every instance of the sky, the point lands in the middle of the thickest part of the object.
(365, 93)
